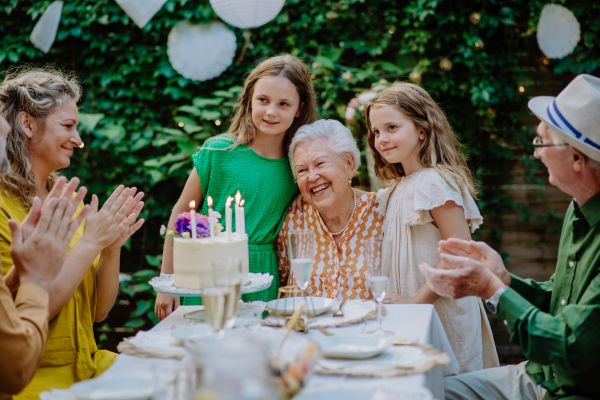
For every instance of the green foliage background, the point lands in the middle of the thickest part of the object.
(138, 99)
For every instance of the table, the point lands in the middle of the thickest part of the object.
(414, 322)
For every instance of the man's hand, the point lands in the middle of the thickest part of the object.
(39, 258)
(478, 251)
(165, 305)
(465, 277)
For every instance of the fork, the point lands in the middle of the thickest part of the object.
(339, 312)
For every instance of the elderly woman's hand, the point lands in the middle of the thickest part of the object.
(297, 204)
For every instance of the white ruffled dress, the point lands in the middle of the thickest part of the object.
(411, 238)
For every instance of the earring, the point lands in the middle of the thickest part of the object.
(350, 181)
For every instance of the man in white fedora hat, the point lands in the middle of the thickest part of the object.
(556, 323)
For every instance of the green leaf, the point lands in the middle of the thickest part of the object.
(155, 261)
(135, 323)
(142, 307)
(112, 132)
(88, 122)
(189, 109)
(202, 102)
(147, 273)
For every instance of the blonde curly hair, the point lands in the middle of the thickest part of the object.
(38, 92)
(440, 150)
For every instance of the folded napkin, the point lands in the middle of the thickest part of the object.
(397, 361)
(153, 344)
(355, 312)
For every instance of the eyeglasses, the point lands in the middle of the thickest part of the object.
(538, 145)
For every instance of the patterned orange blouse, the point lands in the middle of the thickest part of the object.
(338, 271)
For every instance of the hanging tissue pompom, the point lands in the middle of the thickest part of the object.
(141, 11)
(201, 52)
(558, 31)
(247, 13)
(44, 32)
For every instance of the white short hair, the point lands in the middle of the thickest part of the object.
(339, 138)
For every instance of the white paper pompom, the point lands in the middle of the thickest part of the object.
(247, 13)
(44, 32)
(141, 11)
(558, 31)
(201, 52)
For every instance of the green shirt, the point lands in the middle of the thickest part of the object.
(268, 187)
(557, 323)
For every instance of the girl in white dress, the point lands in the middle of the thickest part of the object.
(429, 198)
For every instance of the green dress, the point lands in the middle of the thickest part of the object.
(268, 187)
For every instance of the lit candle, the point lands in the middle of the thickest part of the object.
(228, 217)
(193, 218)
(211, 219)
(238, 197)
(242, 219)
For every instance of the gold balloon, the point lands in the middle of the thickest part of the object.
(445, 64)
(415, 76)
(475, 18)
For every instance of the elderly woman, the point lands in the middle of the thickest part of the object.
(41, 107)
(324, 158)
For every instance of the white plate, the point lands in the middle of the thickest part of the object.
(339, 394)
(287, 305)
(191, 331)
(352, 346)
(113, 389)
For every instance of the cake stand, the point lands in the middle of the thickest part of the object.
(165, 284)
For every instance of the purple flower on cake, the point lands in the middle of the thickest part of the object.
(183, 224)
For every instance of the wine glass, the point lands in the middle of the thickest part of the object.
(229, 271)
(377, 280)
(215, 297)
(302, 245)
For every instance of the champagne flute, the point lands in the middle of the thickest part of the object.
(302, 246)
(377, 280)
(215, 297)
(230, 276)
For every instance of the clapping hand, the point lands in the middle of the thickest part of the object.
(478, 251)
(111, 226)
(39, 245)
(59, 191)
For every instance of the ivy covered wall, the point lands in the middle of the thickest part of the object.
(348, 44)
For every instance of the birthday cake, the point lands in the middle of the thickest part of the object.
(191, 256)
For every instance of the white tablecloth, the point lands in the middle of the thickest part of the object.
(417, 323)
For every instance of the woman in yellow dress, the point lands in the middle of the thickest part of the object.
(41, 107)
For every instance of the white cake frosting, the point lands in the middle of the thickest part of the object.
(191, 256)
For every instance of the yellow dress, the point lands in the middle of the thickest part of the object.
(71, 354)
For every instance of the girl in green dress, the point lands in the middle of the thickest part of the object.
(278, 98)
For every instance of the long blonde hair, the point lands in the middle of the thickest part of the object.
(285, 66)
(440, 149)
(38, 92)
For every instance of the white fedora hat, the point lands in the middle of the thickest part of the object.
(574, 115)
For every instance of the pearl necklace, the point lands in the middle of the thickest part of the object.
(349, 219)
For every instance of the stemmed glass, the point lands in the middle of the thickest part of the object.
(377, 280)
(221, 284)
(302, 245)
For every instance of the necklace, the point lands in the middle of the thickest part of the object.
(349, 219)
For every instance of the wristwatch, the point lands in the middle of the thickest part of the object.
(492, 303)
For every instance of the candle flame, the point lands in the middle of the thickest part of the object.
(242, 203)
(192, 205)
(209, 201)
(238, 197)
(228, 202)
